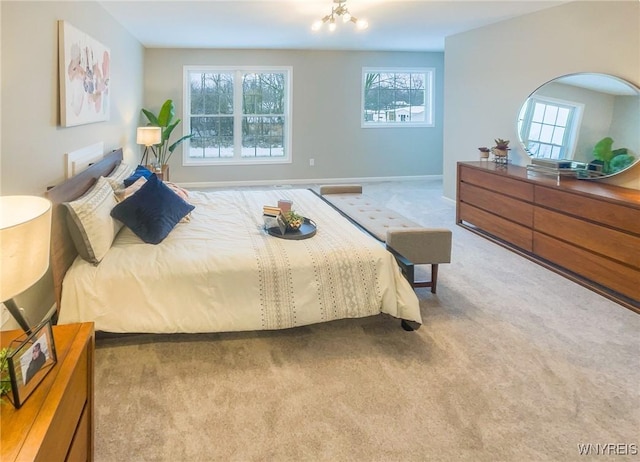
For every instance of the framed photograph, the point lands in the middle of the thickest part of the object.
(30, 361)
(85, 73)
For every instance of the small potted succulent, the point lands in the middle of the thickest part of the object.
(501, 149)
(293, 220)
(484, 152)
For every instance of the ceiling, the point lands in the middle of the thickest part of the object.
(599, 82)
(394, 25)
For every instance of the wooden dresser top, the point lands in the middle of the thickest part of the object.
(612, 193)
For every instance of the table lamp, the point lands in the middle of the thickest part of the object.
(148, 136)
(25, 235)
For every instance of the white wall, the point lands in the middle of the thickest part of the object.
(490, 72)
(32, 143)
(326, 115)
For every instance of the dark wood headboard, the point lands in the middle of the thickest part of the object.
(63, 251)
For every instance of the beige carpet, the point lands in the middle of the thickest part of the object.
(513, 363)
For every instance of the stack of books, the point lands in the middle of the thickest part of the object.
(271, 211)
(273, 218)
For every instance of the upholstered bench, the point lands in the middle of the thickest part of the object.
(411, 243)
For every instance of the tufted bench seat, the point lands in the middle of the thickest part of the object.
(411, 243)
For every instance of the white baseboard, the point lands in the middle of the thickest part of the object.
(289, 182)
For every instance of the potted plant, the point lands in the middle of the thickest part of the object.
(293, 220)
(501, 149)
(484, 152)
(5, 381)
(613, 160)
(165, 120)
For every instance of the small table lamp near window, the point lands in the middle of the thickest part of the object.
(148, 136)
(25, 235)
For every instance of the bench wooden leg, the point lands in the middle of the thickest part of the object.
(432, 283)
(408, 271)
(434, 277)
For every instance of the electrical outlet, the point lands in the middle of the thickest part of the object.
(312, 162)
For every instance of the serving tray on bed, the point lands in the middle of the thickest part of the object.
(306, 230)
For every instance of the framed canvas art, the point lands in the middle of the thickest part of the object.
(84, 77)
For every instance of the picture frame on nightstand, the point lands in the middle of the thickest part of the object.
(30, 361)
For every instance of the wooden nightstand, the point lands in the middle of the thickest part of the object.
(56, 421)
(163, 174)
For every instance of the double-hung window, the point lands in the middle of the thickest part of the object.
(237, 115)
(401, 97)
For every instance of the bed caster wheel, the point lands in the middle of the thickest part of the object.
(410, 326)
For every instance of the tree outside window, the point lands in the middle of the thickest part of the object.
(237, 115)
(400, 97)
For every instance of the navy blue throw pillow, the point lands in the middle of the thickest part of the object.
(152, 212)
(141, 171)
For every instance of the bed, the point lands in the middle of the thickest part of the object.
(222, 272)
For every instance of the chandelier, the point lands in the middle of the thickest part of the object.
(342, 12)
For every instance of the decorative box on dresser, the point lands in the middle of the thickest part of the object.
(586, 230)
(55, 423)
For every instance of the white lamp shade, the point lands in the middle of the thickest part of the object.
(25, 234)
(149, 135)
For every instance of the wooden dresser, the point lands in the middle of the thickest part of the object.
(56, 422)
(586, 230)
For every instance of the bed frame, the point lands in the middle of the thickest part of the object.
(63, 251)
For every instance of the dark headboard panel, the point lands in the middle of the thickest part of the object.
(63, 252)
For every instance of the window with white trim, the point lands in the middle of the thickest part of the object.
(237, 115)
(400, 97)
(548, 127)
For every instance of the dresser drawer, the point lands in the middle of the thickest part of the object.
(504, 206)
(506, 230)
(616, 245)
(604, 212)
(80, 444)
(603, 271)
(497, 183)
(56, 444)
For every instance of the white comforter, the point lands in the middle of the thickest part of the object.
(223, 272)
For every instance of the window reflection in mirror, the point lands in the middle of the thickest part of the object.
(566, 118)
(549, 127)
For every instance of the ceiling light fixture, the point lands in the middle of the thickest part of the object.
(341, 11)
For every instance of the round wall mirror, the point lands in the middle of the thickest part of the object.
(585, 124)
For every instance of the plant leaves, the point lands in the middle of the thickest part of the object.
(151, 117)
(602, 149)
(175, 145)
(166, 133)
(165, 121)
(620, 162)
(166, 114)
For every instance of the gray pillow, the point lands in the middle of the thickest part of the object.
(90, 223)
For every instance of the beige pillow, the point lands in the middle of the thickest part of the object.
(180, 191)
(119, 174)
(90, 223)
(182, 194)
(122, 194)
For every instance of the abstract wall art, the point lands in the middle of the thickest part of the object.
(84, 77)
